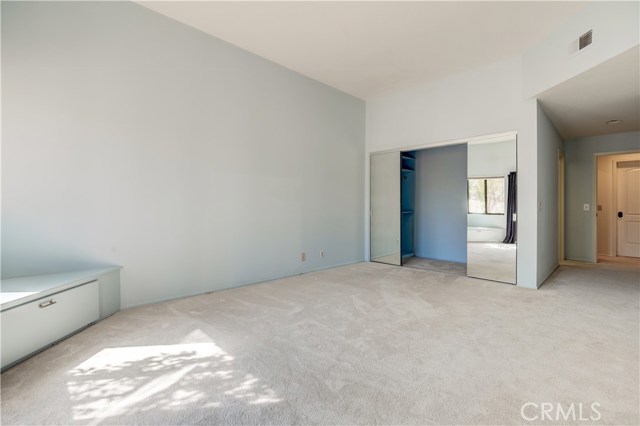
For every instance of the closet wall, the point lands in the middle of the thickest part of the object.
(441, 203)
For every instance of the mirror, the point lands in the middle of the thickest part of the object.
(385, 208)
(491, 209)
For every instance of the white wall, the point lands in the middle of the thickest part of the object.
(580, 180)
(616, 28)
(441, 203)
(549, 147)
(491, 160)
(131, 139)
(479, 102)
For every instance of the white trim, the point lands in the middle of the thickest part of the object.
(561, 201)
(613, 231)
(495, 137)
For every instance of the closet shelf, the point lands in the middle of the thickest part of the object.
(408, 166)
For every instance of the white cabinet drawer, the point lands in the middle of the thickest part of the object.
(34, 325)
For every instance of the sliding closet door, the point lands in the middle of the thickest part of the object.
(491, 222)
(385, 208)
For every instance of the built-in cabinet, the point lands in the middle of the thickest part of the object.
(38, 311)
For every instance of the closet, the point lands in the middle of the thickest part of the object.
(433, 202)
(449, 208)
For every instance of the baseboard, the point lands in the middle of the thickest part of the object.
(200, 293)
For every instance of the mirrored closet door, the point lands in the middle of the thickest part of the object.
(385, 208)
(491, 206)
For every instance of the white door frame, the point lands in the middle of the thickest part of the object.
(560, 206)
(594, 198)
(616, 199)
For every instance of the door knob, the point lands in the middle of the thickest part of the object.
(620, 214)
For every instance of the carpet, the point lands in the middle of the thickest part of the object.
(361, 344)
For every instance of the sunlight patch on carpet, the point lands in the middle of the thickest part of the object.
(128, 380)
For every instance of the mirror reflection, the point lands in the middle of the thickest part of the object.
(491, 210)
(385, 208)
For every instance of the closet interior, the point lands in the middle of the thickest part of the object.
(433, 224)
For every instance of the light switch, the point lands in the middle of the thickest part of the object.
(586, 207)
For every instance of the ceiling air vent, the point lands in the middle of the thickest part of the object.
(585, 39)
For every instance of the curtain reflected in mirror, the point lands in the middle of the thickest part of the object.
(492, 210)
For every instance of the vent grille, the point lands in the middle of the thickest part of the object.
(586, 39)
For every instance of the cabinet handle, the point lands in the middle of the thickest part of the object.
(49, 303)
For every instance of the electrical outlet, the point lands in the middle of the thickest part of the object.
(322, 253)
(303, 256)
(586, 207)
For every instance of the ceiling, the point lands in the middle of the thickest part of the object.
(365, 48)
(581, 106)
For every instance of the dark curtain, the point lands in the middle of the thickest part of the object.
(511, 210)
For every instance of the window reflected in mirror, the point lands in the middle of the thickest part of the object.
(485, 195)
(491, 204)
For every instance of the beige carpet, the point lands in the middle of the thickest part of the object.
(444, 266)
(362, 344)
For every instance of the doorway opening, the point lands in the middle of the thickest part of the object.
(433, 218)
(617, 206)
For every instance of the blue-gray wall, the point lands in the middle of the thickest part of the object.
(129, 138)
(549, 147)
(441, 203)
(579, 163)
